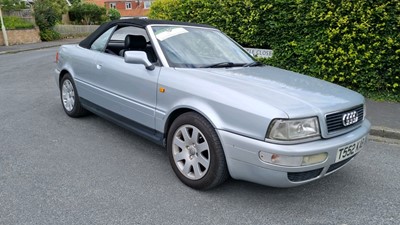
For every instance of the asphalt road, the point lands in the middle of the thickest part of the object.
(59, 170)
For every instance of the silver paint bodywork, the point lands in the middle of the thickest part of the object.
(239, 102)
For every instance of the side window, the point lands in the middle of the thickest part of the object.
(113, 42)
(101, 42)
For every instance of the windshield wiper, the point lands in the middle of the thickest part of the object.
(255, 63)
(224, 64)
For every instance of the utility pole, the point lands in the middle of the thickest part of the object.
(3, 29)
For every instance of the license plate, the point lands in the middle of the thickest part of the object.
(348, 151)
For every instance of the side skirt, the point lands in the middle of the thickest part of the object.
(144, 131)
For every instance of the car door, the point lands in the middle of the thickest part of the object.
(123, 89)
(83, 61)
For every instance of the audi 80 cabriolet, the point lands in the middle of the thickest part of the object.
(218, 112)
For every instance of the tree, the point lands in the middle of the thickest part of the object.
(8, 5)
(47, 13)
(74, 2)
(114, 14)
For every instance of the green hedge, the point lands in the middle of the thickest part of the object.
(352, 43)
(13, 23)
(49, 35)
(227, 15)
(87, 14)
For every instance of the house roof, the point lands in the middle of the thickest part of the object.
(86, 43)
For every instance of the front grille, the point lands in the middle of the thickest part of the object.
(338, 165)
(334, 121)
(302, 176)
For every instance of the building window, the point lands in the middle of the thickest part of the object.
(113, 5)
(128, 5)
(147, 4)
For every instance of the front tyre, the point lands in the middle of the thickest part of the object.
(69, 97)
(195, 152)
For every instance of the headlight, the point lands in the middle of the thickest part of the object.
(293, 130)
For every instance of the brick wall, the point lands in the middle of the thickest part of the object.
(25, 36)
(97, 2)
(135, 10)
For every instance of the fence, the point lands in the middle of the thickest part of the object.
(75, 30)
(25, 14)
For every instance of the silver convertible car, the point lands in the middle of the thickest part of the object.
(218, 112)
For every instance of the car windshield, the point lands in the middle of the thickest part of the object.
(194, 47)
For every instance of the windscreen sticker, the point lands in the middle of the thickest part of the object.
(170, 32)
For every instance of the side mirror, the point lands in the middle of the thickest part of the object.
(138, 57)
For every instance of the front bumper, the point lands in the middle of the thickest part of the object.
(242, 155)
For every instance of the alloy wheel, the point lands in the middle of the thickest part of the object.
(68, 95)
(191, 152)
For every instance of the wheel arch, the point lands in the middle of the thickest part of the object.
(210, 115)
(62, 74)
(172, 116)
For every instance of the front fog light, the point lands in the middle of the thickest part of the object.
(285, 160)
(314, 159)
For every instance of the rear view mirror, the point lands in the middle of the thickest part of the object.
(138, 57)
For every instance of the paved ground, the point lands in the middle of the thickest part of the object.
(384, 114)
(58, 170)
(385, 119)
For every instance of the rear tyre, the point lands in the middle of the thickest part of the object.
(195, 152)
(70, 99)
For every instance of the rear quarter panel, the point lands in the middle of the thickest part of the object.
(76, 60)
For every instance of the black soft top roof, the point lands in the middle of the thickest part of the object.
(87, 42)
